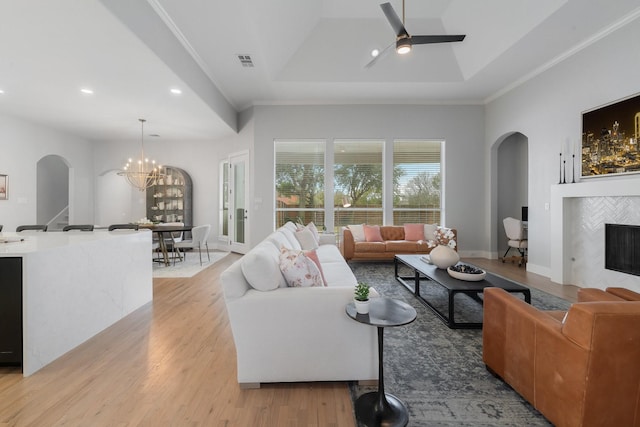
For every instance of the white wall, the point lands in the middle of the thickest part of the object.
(117, 202)
(22, 144)
(547, 110)
(462, 127)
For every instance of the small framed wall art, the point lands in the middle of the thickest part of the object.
(4, 187)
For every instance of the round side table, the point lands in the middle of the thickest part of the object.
(380, 408)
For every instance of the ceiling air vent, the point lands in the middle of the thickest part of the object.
(245, 60)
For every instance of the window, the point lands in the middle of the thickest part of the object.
(299, 172)
(358, 181)
(417, 182)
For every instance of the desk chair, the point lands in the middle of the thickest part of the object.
(516, 239)
(31, 228)
(123, 227)
(199, 236)
(82, 227)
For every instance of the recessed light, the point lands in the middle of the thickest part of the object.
(375, 52)
(176, 91)
(1, 91)
(86, 91)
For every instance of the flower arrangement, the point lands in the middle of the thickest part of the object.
(443, 236)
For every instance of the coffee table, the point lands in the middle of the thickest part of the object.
(430, 274)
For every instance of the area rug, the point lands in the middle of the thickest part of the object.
(438, 372)
(189, 267)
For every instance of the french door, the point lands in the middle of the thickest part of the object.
(238, 202)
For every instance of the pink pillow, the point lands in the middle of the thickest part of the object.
(313, 256)
(414, 232)
(372, 233)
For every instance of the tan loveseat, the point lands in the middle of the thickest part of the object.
(582, 370)
(394, 243)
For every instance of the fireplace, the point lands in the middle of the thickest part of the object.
(579, 213)
(622, 248)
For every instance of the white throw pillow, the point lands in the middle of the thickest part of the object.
(279, 240)
(430, 231)
(290, 235)
(358, 232)
(260, 267)
(311, 226)
(306, 239)
(298, 270)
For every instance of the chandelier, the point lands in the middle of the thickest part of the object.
(143, 173)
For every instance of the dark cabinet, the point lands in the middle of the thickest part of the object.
(170, 200)
(11, 311)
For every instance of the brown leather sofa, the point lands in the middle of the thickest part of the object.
(394, 243)
(584, 371)
(610, 294)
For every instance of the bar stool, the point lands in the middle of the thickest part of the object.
(82, 227)
(37, 227)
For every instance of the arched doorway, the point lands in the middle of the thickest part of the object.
(52, 195)
(511, 184)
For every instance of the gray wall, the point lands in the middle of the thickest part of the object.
(547, 109)
(462, 127)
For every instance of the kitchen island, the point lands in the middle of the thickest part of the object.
(74, 285)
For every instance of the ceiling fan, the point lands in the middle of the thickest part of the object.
(404, 41)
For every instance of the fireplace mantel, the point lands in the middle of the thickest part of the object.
(561, 196)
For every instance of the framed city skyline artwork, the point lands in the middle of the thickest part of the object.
(4, 187)
(610, 136)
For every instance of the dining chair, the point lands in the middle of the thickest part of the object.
(78, 227)
(36, 227)
(199, 236)
(516, 239)
(123, 227)
(170, 239)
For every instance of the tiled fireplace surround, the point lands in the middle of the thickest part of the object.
(578, 214)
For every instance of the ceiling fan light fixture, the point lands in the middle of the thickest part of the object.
(403, 45)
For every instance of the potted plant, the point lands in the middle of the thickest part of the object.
(361, 298)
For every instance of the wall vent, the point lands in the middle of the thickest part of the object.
(245, 60)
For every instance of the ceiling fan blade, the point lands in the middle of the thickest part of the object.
(436, 39)
(380, 55)
(394, 20)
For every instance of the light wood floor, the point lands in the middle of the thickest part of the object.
(172, 363)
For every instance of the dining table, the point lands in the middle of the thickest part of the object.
(165, 234)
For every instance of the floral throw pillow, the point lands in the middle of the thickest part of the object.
(298, 270)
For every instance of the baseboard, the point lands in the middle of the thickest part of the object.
(248, 386)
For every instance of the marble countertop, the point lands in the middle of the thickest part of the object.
(19, 244)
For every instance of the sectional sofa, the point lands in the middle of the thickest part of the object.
(291, 334)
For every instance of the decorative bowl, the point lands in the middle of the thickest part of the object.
(466, 272)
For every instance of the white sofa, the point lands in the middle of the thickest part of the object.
(285, 334)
